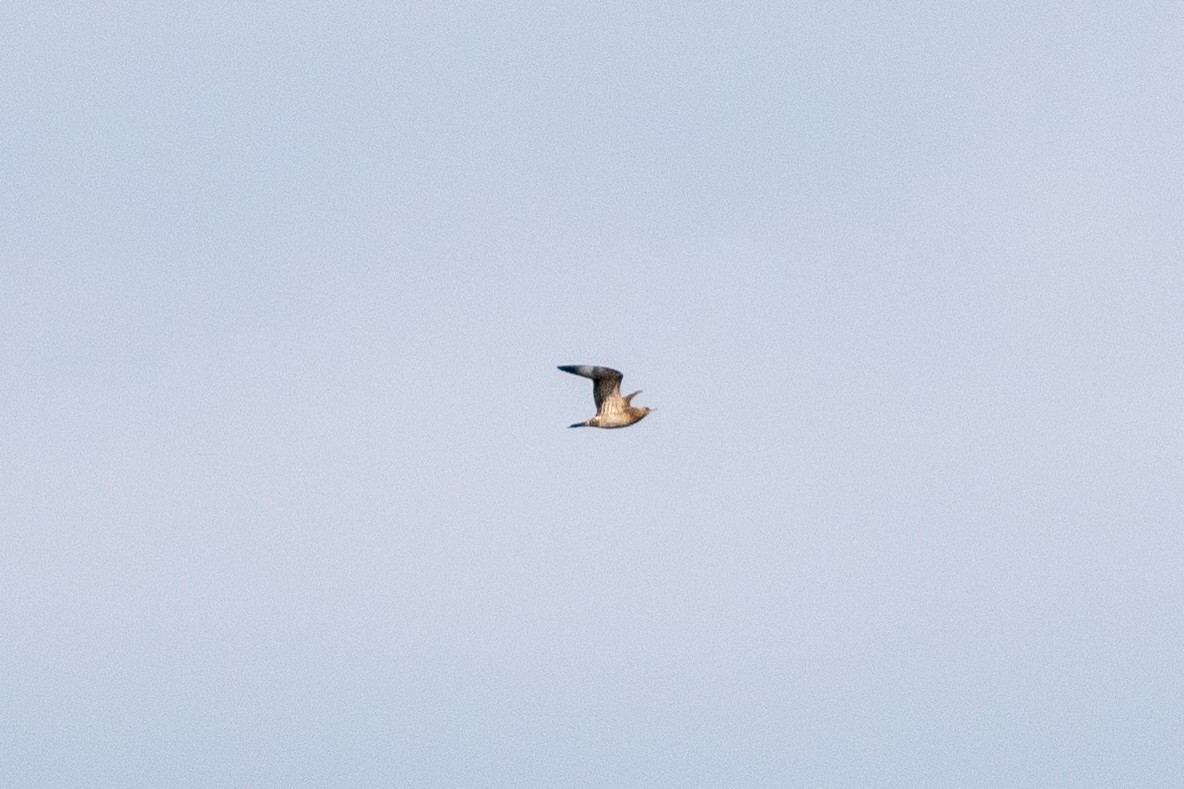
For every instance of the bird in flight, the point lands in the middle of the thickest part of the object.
(612, 410)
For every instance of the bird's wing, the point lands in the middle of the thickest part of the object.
(606, 382)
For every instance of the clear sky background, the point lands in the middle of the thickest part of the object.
(286, 488)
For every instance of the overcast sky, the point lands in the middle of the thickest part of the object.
(287, 494)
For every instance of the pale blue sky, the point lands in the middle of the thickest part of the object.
(287, 491)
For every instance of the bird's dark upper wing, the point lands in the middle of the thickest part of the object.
(606, 382)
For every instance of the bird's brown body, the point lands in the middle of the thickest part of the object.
(612, 410)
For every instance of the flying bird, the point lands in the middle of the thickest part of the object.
(612, 410)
